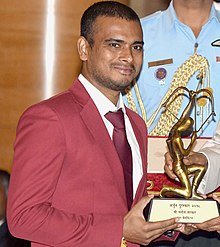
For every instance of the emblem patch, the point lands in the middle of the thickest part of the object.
(160, 73)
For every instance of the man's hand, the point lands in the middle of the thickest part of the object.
(187, 229)
(210, 225)
(137, 230)
(193, 158)
(196, 158)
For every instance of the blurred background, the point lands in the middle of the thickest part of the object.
(38, 56)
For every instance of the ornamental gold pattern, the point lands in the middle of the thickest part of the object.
(181, 78)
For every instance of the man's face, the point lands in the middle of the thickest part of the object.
(115, 57)
(3, 201)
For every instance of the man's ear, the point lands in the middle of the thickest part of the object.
(82, 46)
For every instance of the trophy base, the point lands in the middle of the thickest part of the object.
(188, 210)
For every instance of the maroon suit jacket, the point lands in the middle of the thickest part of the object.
(67, 184)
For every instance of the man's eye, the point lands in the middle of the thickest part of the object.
(138, 47)
(114, 45)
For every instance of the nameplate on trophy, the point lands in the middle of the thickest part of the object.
(189, 211)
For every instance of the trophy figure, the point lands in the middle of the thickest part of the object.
(178, 151)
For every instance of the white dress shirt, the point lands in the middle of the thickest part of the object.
(104, 105)
(211, 150)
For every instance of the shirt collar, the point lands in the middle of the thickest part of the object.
(103, 104)
(214, 14)
(171, 16)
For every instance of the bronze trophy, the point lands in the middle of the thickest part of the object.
(178, 151)
(184, 201)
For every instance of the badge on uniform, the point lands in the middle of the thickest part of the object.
(216, 43)
(160, 75)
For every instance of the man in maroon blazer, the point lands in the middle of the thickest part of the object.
(67, 185)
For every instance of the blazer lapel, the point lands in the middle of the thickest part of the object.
(143, 151)
(96, 126)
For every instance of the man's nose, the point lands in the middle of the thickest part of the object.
(126, 55)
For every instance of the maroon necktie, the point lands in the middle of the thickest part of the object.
(123, 149)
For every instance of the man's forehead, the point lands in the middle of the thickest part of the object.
(117, 28)
(111, 20)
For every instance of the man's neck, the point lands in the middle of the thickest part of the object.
(193, 13)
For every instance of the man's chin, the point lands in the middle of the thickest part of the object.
(121, 87)
(127, 80)
(127, 83)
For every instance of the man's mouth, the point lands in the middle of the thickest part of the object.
(125, 70)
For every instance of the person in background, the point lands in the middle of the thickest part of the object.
(6, 239)
(179, 43)
(68, 185)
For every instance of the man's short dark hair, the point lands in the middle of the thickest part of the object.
(106, 9)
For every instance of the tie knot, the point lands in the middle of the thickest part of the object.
(116, 118)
